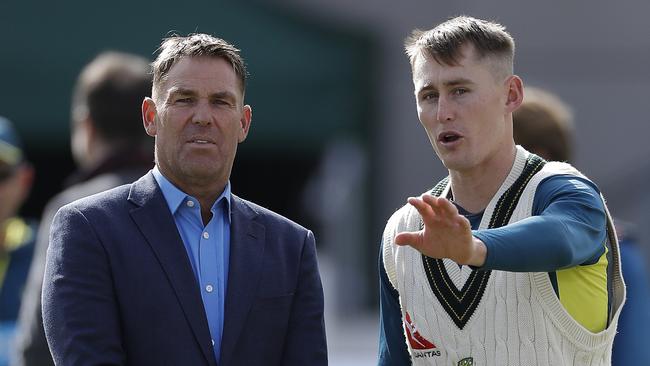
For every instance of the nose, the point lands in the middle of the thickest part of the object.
(202, 115)
(445, 111)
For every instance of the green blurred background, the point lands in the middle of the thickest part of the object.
(308, 83)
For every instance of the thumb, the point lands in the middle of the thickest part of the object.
(413, 239)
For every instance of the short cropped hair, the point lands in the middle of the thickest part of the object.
(543, 124)
(444, 42)
(175, 48)
(110, 90)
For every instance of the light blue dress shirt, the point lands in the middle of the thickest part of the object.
(208, 248)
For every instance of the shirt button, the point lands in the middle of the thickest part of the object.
(190, 203)
(206, 235)
(209, 288)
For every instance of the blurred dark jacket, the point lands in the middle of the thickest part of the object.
(122, 167)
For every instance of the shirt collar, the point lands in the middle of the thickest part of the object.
(175, 197)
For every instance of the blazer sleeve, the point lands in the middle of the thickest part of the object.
(80, 312)
(306, 343)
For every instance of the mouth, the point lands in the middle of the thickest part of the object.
(449, 137)
(201, 141)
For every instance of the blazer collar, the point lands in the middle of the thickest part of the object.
(247, 242)
(156, 223)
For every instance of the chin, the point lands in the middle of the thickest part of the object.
(449, 160)
(201, 171)
(455, 164)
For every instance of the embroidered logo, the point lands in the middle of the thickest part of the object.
(467, 361)
(416, 341)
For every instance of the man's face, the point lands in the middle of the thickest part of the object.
(198, 120)
(464, 110)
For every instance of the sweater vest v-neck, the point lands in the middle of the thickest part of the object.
(454, 315)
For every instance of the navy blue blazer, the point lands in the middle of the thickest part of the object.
(119, 288)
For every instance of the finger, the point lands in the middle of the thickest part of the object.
(463, 222)
(440, 207)
(414, 239)
(423, 208)
(449, 208)
(435, 203)
(430, 199)
(438, 203)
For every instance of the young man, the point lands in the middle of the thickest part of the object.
(509, 260)
(174, 269)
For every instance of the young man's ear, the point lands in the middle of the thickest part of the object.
(515, 93)
(149, 113)
(246, 118)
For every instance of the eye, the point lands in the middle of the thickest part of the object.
(430, 96)
(184, 100)
(460, 91)
(223, 103)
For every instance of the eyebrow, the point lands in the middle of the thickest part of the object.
(183, 91)
(180, 91)
(449, 83)
(458, 81)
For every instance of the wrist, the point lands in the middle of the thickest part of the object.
(479, 253)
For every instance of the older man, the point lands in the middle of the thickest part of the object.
(175, 269)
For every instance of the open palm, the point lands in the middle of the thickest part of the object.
(446, 234)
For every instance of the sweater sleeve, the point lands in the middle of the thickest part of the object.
(567, 228)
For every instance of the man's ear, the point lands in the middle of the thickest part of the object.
(515, 93)
(245, 121)
(149, 113)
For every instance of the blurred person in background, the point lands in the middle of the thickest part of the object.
(17, 235)
(175, 269)
(110, 149)
(508, 260)
(543, 124)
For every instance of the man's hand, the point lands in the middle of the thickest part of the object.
(446, 233)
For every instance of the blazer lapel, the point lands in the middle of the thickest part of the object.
(247, 240)
(157, 225)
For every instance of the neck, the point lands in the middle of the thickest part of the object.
(474, 188)
(207, 199)
(205, 190)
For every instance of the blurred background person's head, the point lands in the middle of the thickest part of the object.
(543, 125)
(105, 110)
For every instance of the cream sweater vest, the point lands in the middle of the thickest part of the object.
(518, 320)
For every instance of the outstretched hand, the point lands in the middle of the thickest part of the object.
(446, 233)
